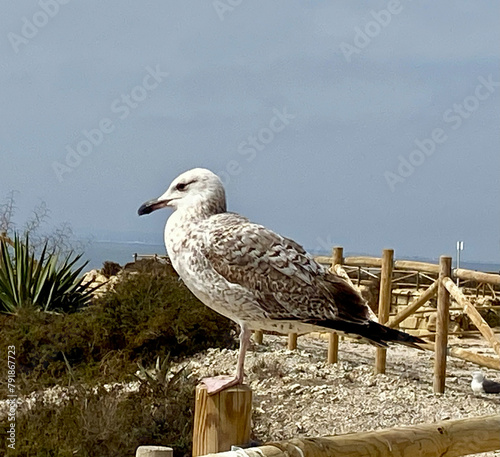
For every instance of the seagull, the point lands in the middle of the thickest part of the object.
(255, 277)
(481, 385)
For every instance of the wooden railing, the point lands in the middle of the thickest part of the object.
(439, 283)
(452, 438)
(443, 287)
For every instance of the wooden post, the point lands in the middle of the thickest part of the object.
(292, 341)
(258, 336)
(333, 338)
(337, 255)
(443, 311)
(154, 451)
(384, 303)
(221, 420)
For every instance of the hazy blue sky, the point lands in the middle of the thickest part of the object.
(364, 124)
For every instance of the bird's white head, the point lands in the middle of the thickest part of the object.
(478, 376)
(198, 189)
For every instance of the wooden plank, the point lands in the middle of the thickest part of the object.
(384, 304)
(221, 420)
(452, 438)
(423, 267)
(479, 359)
(154, 451)
(443, 316)
(363, 261)
(376, 262)
(339, 271)
(323, 259)
(474, 315)
(455, 308)
(478, 276)
(414, 305)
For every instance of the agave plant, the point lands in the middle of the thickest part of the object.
(45, 282)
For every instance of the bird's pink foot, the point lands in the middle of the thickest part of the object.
(219, 383)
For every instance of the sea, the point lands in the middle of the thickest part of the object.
(123, 252)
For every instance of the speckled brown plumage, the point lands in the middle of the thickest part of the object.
(252, 275)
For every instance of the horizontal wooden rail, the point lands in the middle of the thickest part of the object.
(323, 259)
(423, 267)
(456, 308)
(488, 278)
(457, 333)
(447, 438)
(376, 262)
(363, 261)
(479, 359)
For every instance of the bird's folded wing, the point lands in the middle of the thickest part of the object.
(286, 281)
(491, 387)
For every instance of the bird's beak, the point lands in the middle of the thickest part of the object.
(152, 205)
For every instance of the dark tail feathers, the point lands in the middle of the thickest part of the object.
(375, 333)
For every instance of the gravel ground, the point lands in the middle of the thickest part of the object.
(297, 394)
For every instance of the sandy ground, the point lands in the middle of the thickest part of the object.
(297, 394)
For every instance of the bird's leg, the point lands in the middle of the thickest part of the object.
(218, 383)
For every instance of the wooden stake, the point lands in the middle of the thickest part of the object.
(221, 420)
(258, 336)
(337, 255)
(441, 343)
(384, 304)
(333, 338)
(292, 341)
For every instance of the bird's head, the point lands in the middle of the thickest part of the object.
(198, 188)
(478, 376)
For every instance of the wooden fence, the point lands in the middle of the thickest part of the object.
(437, 279)
(224, 419)
(447, 438)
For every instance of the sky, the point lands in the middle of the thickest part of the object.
(368, 125)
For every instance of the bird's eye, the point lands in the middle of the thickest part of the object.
(181, 186)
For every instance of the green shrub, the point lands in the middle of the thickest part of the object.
(148, 314)
(155, 312)
(44, 283)
(108, 422)
(110, 269)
